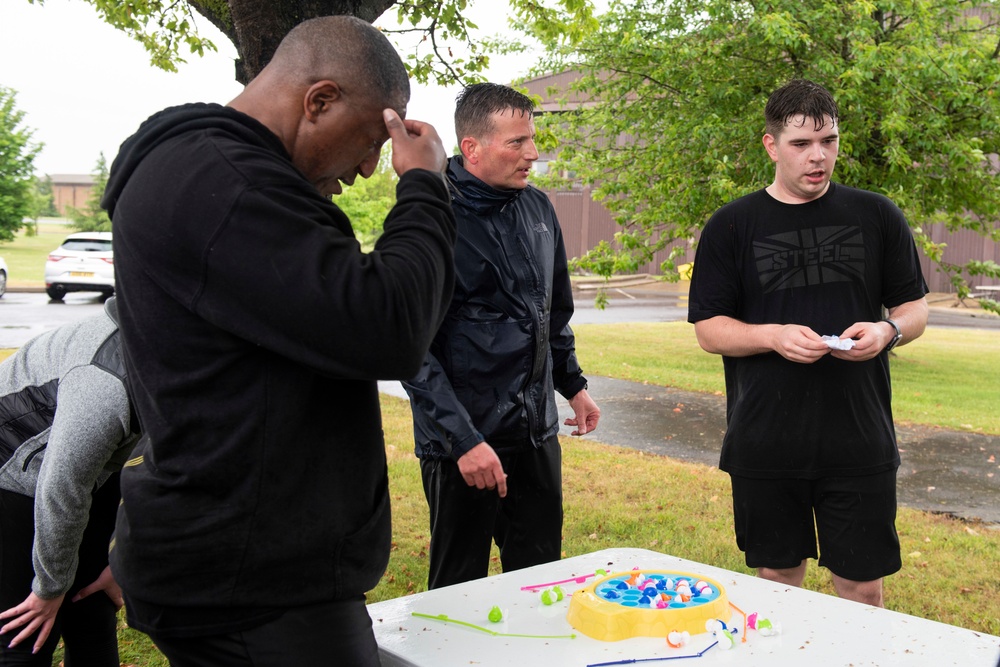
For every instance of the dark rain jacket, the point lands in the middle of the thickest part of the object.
(505, 344)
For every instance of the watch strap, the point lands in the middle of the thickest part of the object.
(895, 339)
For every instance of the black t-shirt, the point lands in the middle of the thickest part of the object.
(825, 264)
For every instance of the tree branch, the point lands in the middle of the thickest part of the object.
(437, 53)
(222, 21)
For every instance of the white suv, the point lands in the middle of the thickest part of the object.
(83, 263)
(3, 276)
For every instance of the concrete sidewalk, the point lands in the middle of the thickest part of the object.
(942, 471)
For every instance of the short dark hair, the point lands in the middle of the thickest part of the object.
(476, 104)
(342, 46)
(799, 97)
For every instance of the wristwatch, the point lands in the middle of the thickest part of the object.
(895, 339)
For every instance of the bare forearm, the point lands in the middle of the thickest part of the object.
(911, 318)
(732, 338)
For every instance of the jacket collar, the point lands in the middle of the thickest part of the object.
(472, 193)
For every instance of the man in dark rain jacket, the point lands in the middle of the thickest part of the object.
(484, 412)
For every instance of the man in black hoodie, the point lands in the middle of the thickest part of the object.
(256, 513)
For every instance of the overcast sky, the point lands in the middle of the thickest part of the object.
(85, 87)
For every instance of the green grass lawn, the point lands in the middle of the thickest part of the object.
(25, 255)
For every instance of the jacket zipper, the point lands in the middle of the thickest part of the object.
(32, 455)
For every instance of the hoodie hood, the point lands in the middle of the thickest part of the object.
(172, 122)
(474, 194)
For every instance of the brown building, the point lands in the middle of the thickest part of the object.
(70, 190)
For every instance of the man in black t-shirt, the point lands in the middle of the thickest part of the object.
(789, 286)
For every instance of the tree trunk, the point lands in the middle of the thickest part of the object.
(256, 27)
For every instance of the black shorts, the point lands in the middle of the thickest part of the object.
(777, 522)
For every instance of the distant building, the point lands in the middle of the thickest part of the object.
(70, 190)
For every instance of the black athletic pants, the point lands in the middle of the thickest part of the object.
(526, 524)
(88, 627)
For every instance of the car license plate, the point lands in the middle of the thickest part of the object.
(82, 274)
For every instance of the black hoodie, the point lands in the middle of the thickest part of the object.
(254, 329)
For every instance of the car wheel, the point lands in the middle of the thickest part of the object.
(56, 292)
(3, 283)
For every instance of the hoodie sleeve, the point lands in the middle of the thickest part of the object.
(258, 253)
(380, 310)
(275, 277)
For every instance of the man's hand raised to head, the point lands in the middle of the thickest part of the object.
(415, 145)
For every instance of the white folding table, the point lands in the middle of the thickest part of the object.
(817, 630)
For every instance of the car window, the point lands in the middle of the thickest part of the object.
(87, 245)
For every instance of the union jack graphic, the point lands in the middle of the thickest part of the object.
(810, 257)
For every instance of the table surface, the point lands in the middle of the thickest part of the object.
(816, 629)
